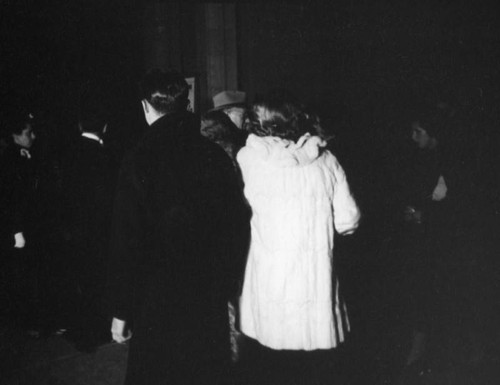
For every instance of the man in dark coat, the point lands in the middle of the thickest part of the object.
(444, 240)
(19, 220)
(173, 256)
(89, 191)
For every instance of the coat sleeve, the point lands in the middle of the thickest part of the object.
(15, 198)
(345, 210)
(128, 224)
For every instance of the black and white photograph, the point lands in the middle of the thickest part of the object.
(249, 193)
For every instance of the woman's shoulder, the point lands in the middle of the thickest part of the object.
(282, 151)
(329, 162)
(255, 147)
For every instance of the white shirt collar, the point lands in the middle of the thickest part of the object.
(25, 153)
(92, 136)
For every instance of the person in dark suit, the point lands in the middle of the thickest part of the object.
(19, 200)
(174, 260)
(89, 190)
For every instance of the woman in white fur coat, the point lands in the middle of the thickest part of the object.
(299, 197)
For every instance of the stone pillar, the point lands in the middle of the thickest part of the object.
(220, 50)
(198, 40)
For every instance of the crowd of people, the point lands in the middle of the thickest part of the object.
(211, 247)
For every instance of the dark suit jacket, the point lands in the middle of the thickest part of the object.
(89, 191)
(173, 254)
(18, 196)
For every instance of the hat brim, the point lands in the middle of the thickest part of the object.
(225, 106)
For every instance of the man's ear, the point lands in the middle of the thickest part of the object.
(145, 106)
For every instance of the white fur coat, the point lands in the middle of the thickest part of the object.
(299, 195)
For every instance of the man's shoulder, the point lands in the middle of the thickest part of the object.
(173, 139)
(168, 130)
(80, 149)
(162, 141)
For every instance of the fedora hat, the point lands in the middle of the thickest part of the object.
(226, 99)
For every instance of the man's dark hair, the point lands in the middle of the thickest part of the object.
(166, 91)
(431, 119)
(92, 116)
(93, 106)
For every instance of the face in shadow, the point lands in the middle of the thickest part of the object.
(420, 137)
(26, 138)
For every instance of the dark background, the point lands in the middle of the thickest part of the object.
(359, 64)
(54, 53)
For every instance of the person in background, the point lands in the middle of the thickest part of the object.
(218, 127)
(444, 239)
(299, 196)
(20, 220)
(89, 190)
(233, 104)
(424, 190)
(173, 261)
